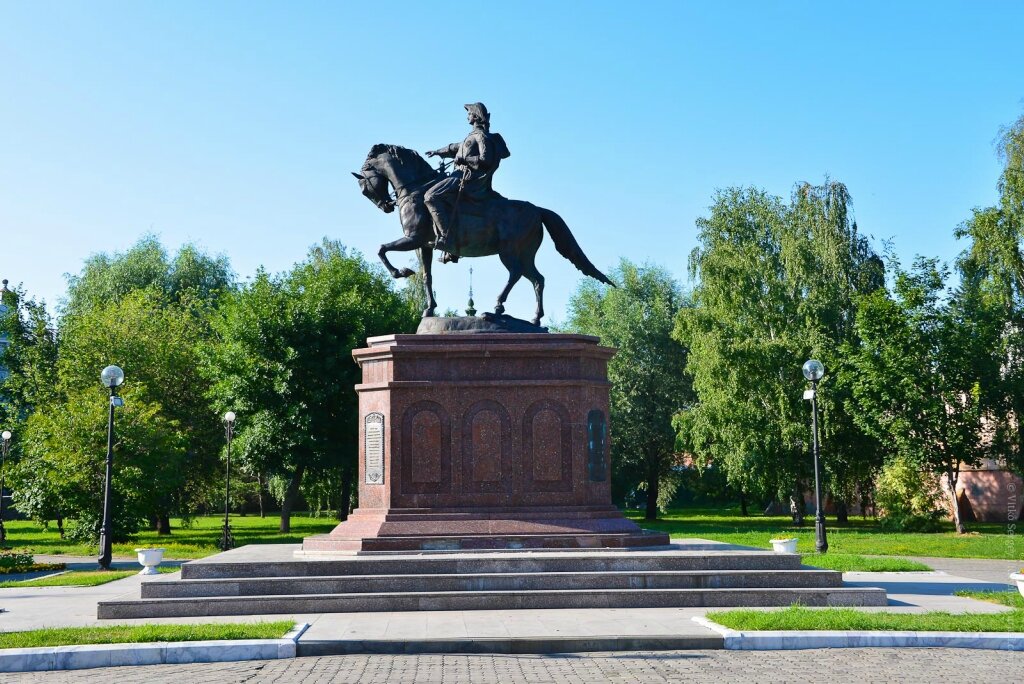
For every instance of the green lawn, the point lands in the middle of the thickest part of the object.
(137, 634)
(858, 538)
(861, 537)
(1006, 598)
(798, 618)
(848, 562)
(78, 578)
(198, 541)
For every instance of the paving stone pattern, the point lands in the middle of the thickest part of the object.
(838, 665)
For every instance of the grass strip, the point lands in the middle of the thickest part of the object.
(140, 634)
(843, 619)
(31, 567)
(851, 562)
(1006, 598)
(78, 578)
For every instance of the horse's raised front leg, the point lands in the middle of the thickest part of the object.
(426, 254)
(403, 244)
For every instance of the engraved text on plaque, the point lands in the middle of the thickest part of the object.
(374, 428)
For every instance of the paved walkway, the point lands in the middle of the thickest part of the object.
(840, 665)
(33, 608)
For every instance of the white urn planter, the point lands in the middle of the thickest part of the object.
(1018, 577)
(149, 559)
(784, 545)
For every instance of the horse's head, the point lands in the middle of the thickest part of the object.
(401, 167)
(374, 184)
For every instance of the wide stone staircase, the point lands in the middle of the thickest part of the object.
(259, 580)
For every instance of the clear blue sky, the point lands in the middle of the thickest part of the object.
(235, 124)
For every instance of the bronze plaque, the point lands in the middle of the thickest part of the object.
(374, 448)
(597, 446)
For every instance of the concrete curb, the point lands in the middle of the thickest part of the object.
(513, 645)
(797, 639)
(175, 652)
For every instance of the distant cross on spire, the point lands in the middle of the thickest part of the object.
(470, 309)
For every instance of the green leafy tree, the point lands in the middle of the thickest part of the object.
(993, 265)
(918, 370)
(28, 355)
(648, 384)
(283, 362)
(107, 278)
(145, 312)
(776, 285)
(163, 447)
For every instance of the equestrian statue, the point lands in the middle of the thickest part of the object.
(461, 215)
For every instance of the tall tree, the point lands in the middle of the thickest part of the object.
(283, 362)
(776, 285)
(648, 384)
(159, 447)
(993, 264)
(918, 370)
(146, 312)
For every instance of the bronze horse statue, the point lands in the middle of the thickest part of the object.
(512, 229)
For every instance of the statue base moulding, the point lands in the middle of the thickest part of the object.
(483, 441)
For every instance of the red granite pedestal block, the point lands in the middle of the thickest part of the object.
(483, 441)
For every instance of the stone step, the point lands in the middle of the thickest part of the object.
(370, 584)
(494, 563)
(494, 600)
(489, 536)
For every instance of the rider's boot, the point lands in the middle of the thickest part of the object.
(441, 241)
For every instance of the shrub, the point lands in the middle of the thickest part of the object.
(907, 498)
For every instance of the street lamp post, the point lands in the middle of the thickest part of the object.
(112, 377)
(814, 371)
(5, 448)
(227, 541)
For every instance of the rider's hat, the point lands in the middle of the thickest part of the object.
(479, 110)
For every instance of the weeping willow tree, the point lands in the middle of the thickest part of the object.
(776, 285)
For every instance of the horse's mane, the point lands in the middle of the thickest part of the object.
(405, 156)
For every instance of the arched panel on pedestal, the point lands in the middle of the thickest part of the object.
(426, 449)
(547, 448)
(487, 449)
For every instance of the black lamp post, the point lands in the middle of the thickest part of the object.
(227, 541)
(112, 377)
(814, 371)
(5, 448)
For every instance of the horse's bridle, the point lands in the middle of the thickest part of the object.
(381, 203)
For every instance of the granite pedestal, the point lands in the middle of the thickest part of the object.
(483, 441)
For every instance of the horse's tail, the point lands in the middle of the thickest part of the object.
(567, 246)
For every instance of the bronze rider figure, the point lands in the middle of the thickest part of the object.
(476, 159)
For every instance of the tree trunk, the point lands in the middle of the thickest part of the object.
(797, 505)
(842, 513)
(346, 494)
(291, 495)
(259, 494)
(154, 522)
(652, 491)
(951, 479)
(163, 524)
(60, 525)
(743, 503)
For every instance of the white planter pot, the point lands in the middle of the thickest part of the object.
(784, 545)
(1019, 579)
(149, 559)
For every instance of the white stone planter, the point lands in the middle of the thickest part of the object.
(1018, 577)
(149, 559)
(784, 545)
